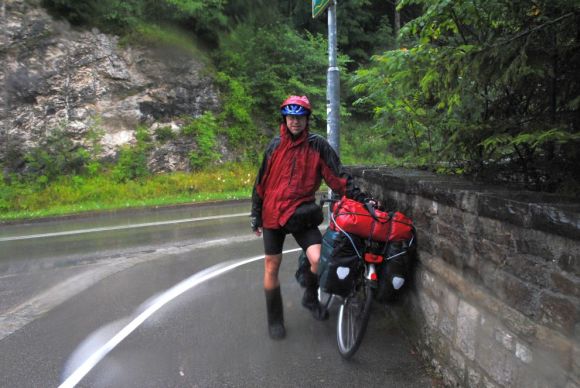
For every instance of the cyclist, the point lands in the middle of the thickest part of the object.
(293, 166)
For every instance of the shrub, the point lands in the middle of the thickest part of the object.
(164, 134)
(56, 155)
(238, 112)
(203, 129)
(132, 161)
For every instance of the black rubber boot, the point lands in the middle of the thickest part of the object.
(275, 310)
(310, 298)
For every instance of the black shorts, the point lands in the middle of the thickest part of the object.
(274, 239)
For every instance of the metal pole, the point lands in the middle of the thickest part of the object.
(332, 88)
(333, 83)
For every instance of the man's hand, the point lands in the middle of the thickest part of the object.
(371, 201)
(256, 225)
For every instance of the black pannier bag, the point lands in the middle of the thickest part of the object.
(339, 262)
(327, 247)
(393, 272)
(328, 243)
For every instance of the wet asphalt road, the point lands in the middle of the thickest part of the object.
(78, 283)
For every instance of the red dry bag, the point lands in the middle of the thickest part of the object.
(353, 217)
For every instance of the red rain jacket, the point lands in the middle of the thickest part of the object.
(291, 173)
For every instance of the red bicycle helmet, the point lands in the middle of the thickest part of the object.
(296, 105)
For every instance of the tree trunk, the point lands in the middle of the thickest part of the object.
(397, 26)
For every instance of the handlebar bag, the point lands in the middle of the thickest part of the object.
(353, 217)
(306, 216)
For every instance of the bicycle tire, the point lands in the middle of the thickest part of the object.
(353, 319)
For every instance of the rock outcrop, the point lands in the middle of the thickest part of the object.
(54, 76)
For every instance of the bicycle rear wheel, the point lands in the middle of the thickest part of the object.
(353, 318)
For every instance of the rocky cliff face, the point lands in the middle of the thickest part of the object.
(53, 76)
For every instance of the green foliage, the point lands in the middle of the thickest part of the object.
(477, 87)
(203, 16)
(13, 154)
(74, 194)
(483, 86)
(111, 15)
(93, 137)
(9, 194)
(56, 155)
(237, 117)
(364, 28)
(533, 139)
(393, 91)
(203, 129)
(273, 62)
(362, 144)
(131, 164)
(132, 160)
(207, 14)
(164, 134)
(165, 38)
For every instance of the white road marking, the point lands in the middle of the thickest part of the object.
(74, 378)
(31, 309)
(133, 226)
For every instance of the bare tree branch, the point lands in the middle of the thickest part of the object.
(532, 30)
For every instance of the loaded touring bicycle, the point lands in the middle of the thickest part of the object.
(366, 255)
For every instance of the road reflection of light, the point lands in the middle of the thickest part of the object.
(100, 343)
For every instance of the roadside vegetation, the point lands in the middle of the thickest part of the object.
(489, 90)
(75, 194)
(63, 177)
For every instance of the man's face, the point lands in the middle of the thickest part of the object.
(296, 124)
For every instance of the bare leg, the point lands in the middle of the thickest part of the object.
(271, 269)
(313, 254)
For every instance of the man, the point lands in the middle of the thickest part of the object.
(292, 170)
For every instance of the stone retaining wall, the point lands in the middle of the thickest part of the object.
(495, 299)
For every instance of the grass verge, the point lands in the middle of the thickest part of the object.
(76, 194)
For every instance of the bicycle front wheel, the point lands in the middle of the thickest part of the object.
(353, 318)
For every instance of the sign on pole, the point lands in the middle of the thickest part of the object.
(318, 7)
